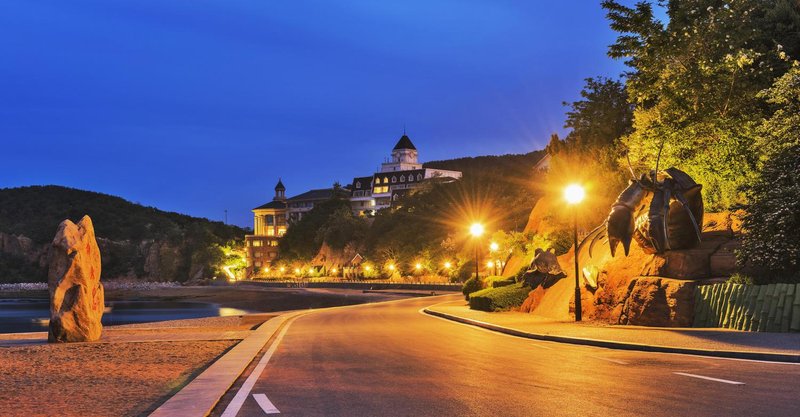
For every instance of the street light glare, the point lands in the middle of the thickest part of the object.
(574, 194)
(476, 229)
(493, 246)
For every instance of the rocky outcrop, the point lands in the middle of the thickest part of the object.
(76, 294)
(659, 302)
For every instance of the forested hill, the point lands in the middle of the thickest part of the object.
(492, 166)
(505, 183)
(135, 241)
(36, 211)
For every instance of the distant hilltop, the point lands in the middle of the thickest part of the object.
(136, 241)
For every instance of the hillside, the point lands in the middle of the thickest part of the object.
(501, 167)
(503, 184)
(137, 241)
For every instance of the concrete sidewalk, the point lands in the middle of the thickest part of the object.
(782, 347)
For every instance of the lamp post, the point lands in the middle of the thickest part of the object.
(476, 230)
(493, 247)
(574, 194)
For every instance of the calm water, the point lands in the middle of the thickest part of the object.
(33, 315)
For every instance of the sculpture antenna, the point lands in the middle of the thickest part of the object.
(630, 167)
(658, 158)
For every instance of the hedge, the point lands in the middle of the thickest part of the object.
(470, 286)
(497, 281)
(502, 298)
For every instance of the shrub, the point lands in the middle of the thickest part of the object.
(470, 286)
(496, 299)
(498, 281)
(739, 278)
(771, 244)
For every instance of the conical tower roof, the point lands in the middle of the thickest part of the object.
(279, 186)
(404, 143)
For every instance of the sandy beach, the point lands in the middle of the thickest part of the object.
(134, 368)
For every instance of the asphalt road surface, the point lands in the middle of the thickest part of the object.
(389, 359)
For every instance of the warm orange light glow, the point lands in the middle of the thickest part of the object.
(266, 269)
(297, 270)
(447, 265)
(391, 267)
(574, 193)
(494, 246)
(490, 264)
(333, 270)
(418, 266)
(283, 269)
(368, 268)
(476, 229)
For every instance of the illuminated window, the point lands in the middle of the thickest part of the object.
(258, 243)
(271, 232)
(281, 231)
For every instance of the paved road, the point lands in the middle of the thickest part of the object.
(388, 359)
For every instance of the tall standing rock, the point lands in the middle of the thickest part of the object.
(76, 294)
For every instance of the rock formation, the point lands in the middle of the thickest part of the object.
(76, 294)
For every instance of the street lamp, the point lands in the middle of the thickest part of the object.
(493, 247)
(476, 230)
(574, 194)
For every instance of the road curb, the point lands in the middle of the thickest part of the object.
(202, 394)
(759, 356)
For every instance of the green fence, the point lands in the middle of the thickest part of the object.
(757, 308)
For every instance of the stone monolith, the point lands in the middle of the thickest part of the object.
(76, 294)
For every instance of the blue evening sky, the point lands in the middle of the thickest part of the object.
(199, 106)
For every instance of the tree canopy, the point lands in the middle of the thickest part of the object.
(695, 82)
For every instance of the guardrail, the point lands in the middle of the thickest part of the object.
(760, 308)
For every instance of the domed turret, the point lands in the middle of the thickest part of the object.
(280, 191)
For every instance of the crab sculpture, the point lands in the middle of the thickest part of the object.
(662, 211)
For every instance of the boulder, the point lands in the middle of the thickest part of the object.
(76, 294)
(655, 301)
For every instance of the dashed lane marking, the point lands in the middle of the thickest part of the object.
(266, 404)
(708, 378)
(617, 361)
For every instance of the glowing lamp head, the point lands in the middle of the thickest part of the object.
(391, 267)
(367, 268)
(494, 246)
(297, 270)
(476, 229)
(418, 265)
(266, 269)
(574, 194)
(333, 270)
(490, 264)
(448, 265)
(283, 269)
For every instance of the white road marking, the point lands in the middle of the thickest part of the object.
(708, 378)
(617, 361)
(236, 404)
(266, 404)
